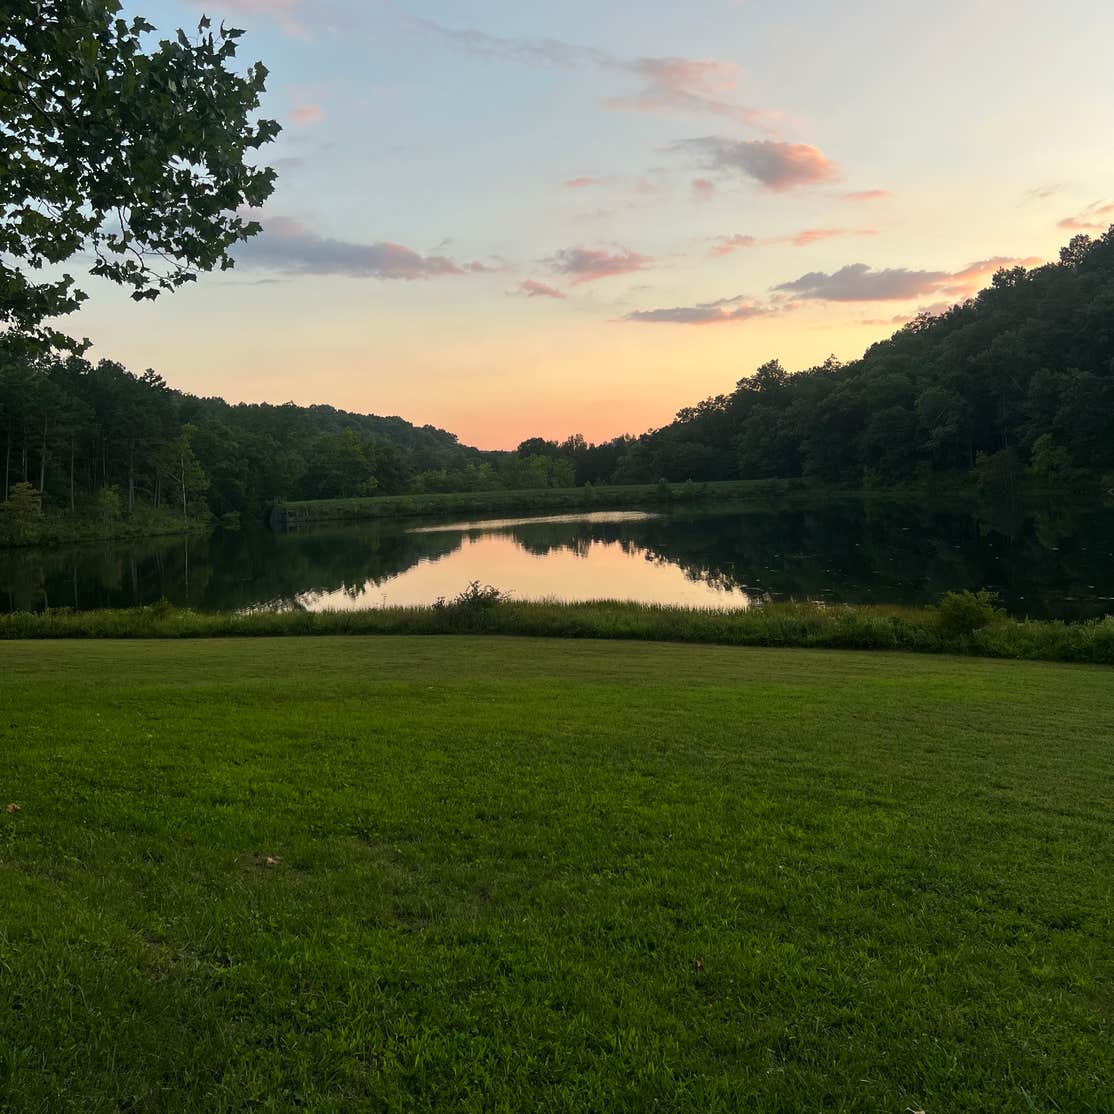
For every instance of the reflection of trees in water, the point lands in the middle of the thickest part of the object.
(1049, 562)
(223, 571)
(847, 551)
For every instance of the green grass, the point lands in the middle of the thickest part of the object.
(485, 874)
(923, 630)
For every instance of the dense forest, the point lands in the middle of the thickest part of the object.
(1017, 381)
(100, 443)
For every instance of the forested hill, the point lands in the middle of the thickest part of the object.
(73, 430)
(1020, 377)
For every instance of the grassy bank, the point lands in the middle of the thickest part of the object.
(59, 528)
(476, 874)
(972, 631)
(545, 499)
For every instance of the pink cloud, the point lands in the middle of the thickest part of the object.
(584, 183)
(815, 235)
(589, 264)
(533, 289)
(725, 245)
(966, 283)
(866, 195)
(703, 189)
(1097, 217)
(775, 165)
(307, 114)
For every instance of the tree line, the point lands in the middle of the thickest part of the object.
(95, 441)
(1018, 381)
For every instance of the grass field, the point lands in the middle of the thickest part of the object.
(489, 874)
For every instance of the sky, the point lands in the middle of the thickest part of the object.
(513, 220)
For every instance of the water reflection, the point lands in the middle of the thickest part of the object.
(584, 568)
(1046, 562)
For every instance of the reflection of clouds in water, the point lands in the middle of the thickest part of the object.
(575, 570)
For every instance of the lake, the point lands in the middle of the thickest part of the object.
(1048, 563)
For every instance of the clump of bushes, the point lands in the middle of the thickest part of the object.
(963, 613)
(469, 609)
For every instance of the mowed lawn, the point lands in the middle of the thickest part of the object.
(483, 874)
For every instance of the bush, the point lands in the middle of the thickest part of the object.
(469, 611)
(962, 613)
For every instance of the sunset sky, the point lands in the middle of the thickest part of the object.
(513, 219)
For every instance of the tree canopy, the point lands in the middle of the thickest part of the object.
(137, 157)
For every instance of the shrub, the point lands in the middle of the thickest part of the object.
(961, 613)
(469, 611)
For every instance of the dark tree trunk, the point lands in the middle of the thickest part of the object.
(42, 464)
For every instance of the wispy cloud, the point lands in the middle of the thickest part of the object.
(531, 288)
(866, 195)
(288, 246)
(589, 264)
(683, 84)
(703, 189)
(721, 312)
(307, 114)
(585, 182)
(857, 282)
(665, 84)
(725, 245)
(1097, 217)
(775, 165)
(1042, 193)
(287, 13)
(816, 235)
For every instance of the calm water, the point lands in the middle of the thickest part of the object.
(1046, 563)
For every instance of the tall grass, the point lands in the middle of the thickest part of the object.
(926, 630)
